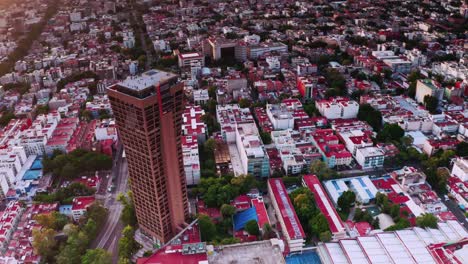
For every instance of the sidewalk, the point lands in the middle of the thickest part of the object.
(146, 245)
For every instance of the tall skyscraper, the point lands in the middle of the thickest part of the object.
(148, 113)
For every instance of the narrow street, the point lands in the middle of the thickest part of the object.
(109, 236)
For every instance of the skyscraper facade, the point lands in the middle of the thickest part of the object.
(148, 113)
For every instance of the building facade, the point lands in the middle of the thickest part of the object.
(148, 113)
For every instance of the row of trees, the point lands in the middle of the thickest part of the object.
(218, 191)
(71, 165)
(74, 249)
(312, 220)
(127, 243)
(65, 195)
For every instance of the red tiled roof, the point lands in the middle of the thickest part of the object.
(287, 213)
(262, 214)
(324, 203)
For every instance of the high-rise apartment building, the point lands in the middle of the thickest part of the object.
(148, 112)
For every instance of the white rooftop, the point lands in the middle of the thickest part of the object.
(146, 79)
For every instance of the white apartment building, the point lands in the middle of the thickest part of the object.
(191, 160)
(280, 116)
(252, 153)
(428, 87)
(338, 107)
(460, 168)
(370, 157)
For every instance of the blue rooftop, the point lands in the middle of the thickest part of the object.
(240, 219)
(37, 164)
(32, 175)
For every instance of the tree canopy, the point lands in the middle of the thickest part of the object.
(207, 228)
(372, 116)
(346, 201)
(321, 170)
(431, 103)
(97, 256)
(128, 216)
(71, 165)
(390, 132)
(252, 228)
(426, 220)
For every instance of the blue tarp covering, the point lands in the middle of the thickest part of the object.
(240, 219)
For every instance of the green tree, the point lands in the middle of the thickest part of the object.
(97, 256)
(127, 243)
(372, 116)
(123, 260)
(210, 145)
(97, 213)
(75, 247)
(229, 241)
(207, 228)
(54, 220)
(252, 228)
(90, 228)
(391, 132)
(266, 137)
(321, 170)
(346, 201)
(228, 210)
(44, 242)
(402, 223)
(325, 236)
(426, 220)
(128, 216)
(431, 103)
(318, 224)
(395, 211)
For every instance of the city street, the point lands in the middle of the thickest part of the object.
(109, 236)
(452, 206)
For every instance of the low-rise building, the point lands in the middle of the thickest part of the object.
(80, 206)
(325, 206)
(362, 186)
(287, 218)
